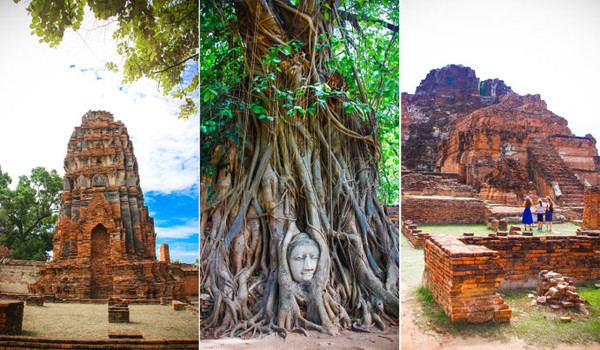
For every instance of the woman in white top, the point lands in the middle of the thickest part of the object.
(540, 214)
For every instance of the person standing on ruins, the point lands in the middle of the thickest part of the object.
(549, 212)
(527, 218)
(540, 214)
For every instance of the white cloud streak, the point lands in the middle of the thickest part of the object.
(185, 230)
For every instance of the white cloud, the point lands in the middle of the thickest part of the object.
(185, 230)
(44, 93)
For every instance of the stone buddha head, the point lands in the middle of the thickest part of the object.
(303, 256)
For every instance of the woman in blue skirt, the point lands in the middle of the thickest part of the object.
(527, 218)
(549, 211)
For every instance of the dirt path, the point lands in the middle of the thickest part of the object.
(387, 340)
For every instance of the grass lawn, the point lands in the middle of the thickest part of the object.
(90, 321)
(536, 324)
(566, 228)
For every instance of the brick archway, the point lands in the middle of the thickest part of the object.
(101, 284)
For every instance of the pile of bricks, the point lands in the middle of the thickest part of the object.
(556, 289)
(415, 237)
(118, 310)
(11, 317)
(464, 279)
(430, 210)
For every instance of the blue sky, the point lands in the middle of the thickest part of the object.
(45, 91)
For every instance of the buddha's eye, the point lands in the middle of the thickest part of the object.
(298, 257)
(314, 256)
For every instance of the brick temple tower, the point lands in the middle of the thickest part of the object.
(104, 243)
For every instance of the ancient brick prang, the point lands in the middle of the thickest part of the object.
(104, 243)
(455, 124)
(445, 95)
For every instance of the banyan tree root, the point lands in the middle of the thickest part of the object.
(308, 177)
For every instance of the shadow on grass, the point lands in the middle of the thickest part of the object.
(536, 324)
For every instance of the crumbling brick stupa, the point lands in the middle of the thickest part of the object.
(503, 144)
(104, 243)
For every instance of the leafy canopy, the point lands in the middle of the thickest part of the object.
(157, 39)
(28, 213)
(365, 51)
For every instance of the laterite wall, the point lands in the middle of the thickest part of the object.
(431, 210)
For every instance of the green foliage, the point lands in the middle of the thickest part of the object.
(28, 213)
(158, 39)
(363, 51)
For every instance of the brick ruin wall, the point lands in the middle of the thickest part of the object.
(415, 237)
(423, 210)
(15, 275)
(464, 279)
(187, 277)
(429, 183)
(591, 210)
(463, 274)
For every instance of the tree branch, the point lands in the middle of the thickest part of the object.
(176, 64)
(354, 18)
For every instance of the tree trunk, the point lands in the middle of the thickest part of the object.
(300, 162)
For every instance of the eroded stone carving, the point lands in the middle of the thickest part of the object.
(303, 256)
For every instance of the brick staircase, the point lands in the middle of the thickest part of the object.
(545, 160)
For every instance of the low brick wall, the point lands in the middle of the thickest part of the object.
(445, 184)
(464, 279)
(187, 277)
(18, 342)
(432, 210)
(464, 273)
(415, 237)
(15, 275)
(11, 317)
(524, 257)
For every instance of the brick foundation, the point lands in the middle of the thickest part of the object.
(431, 210)
(11, 317)
(464, 279)
(415, 237)
(464, 273)
(523, 257)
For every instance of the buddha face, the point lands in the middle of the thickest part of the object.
(303, 258)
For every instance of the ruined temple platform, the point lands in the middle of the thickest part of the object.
(76, 321)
